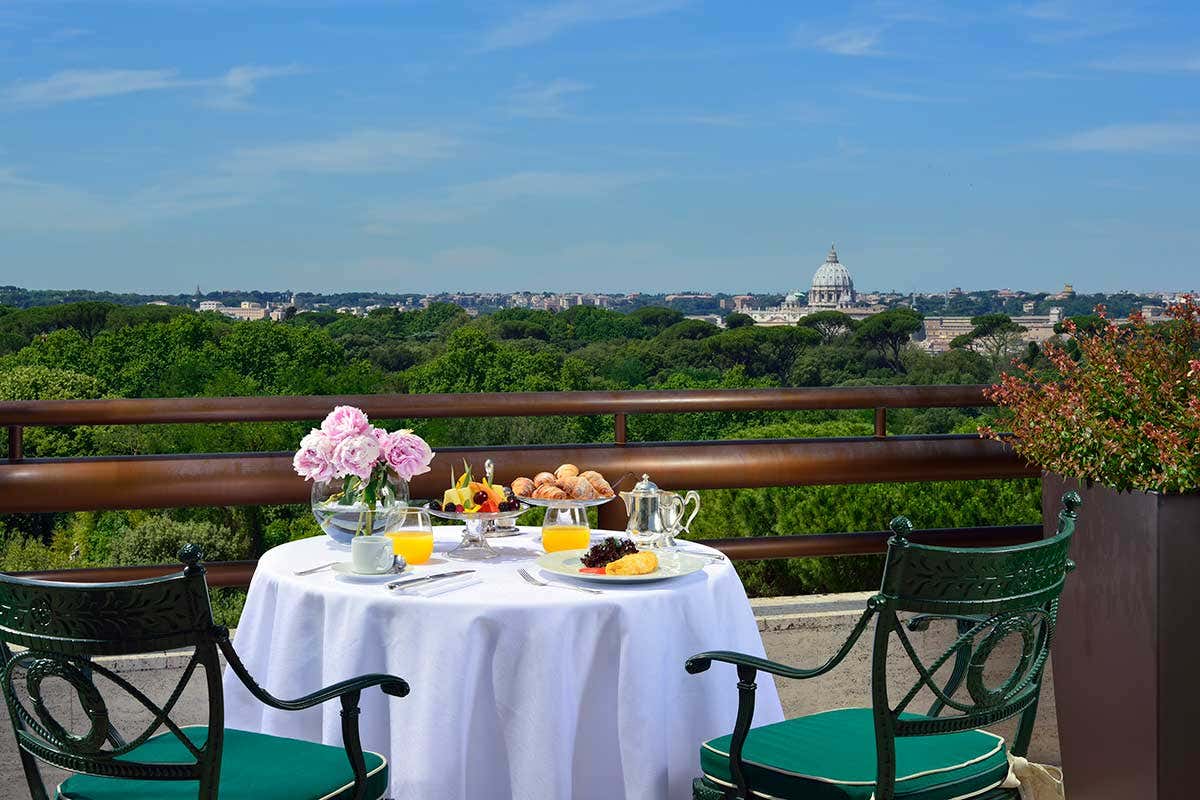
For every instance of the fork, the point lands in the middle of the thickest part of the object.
(530, 579)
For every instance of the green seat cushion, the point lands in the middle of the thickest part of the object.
(254, 766)
(831, 756)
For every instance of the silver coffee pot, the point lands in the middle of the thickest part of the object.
(655, 515)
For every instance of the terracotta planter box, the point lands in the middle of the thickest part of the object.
(1127, 651)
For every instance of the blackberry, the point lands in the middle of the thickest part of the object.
(604, 553)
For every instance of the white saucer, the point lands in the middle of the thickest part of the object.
(345, 570)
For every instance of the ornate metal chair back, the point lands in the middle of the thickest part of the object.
(49, 632)
(993, 594)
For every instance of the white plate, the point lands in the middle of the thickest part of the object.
(670, 565)
(346, 571)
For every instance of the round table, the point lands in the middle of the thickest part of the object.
(518, 692)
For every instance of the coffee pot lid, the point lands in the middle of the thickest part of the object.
(645, 486)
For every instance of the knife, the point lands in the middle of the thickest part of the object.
(413, 581)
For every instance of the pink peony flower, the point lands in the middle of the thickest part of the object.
(314, 460)
(356, 455)
(344, 422)
(408, 454)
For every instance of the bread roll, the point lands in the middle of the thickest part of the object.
(522, 487)
(591, 474)
(543, 478)
(548, 491)
(566, 471)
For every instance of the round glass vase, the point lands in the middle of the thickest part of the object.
(342, 513)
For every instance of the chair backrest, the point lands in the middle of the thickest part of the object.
(57, 629)
(992, 594)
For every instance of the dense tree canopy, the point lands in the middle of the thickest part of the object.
(96, 349)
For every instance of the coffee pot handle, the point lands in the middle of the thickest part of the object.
(687, 498)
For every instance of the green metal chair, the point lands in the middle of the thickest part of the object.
(886, 752)
(58, 628)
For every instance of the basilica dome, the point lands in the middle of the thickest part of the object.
(832, 285)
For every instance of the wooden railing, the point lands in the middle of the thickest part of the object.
(166, 481)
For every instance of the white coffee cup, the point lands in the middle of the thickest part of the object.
(371, 555)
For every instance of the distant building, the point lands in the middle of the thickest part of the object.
(1067, 293)
(832, 286)
(937, 333)
(210, 305)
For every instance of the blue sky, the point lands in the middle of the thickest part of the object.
(603, 145)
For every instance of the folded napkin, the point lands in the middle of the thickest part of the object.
(434, 588)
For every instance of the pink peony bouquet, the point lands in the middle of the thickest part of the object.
(348, 448)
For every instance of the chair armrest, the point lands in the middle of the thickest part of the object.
(389, 684)
(702, 661)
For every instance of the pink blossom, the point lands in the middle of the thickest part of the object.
(408, 454)
(314, 459)
(356, 455)
(344, 422)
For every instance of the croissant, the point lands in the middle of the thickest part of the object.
(566, 471)
(602, 487)
(548, 491)
(544, 477)
(522, 487)
(577, 488)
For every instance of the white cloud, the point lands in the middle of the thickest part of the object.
(543, 100)
(1151, 63)
(847, 42)
(229, 91)
(232, 90)
(900, 97)
(84, 84)
(363, 151)
(1067, 20)
(30, 206)
(1149, 137)
(539, 24)
(460, 202)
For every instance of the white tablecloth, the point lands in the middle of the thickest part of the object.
(518, 692)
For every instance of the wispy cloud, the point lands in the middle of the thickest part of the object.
(547, 21)
(713, 120)
(360, 151)
(467, 200)
(1059, 21)
(63, 35)
(32, 206)
(1148, 137)
(232, 91)
(87, 84)
(229, 91)
(1158, 62)
(543, 100)
(900, 97)
(846, 42)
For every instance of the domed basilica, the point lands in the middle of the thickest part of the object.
(832, 286)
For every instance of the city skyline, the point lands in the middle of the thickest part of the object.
(597, 146)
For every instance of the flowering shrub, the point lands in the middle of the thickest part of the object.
(1126, 414)
(348, 448)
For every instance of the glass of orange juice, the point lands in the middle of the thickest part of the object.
(411, 532)
(566, 529)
